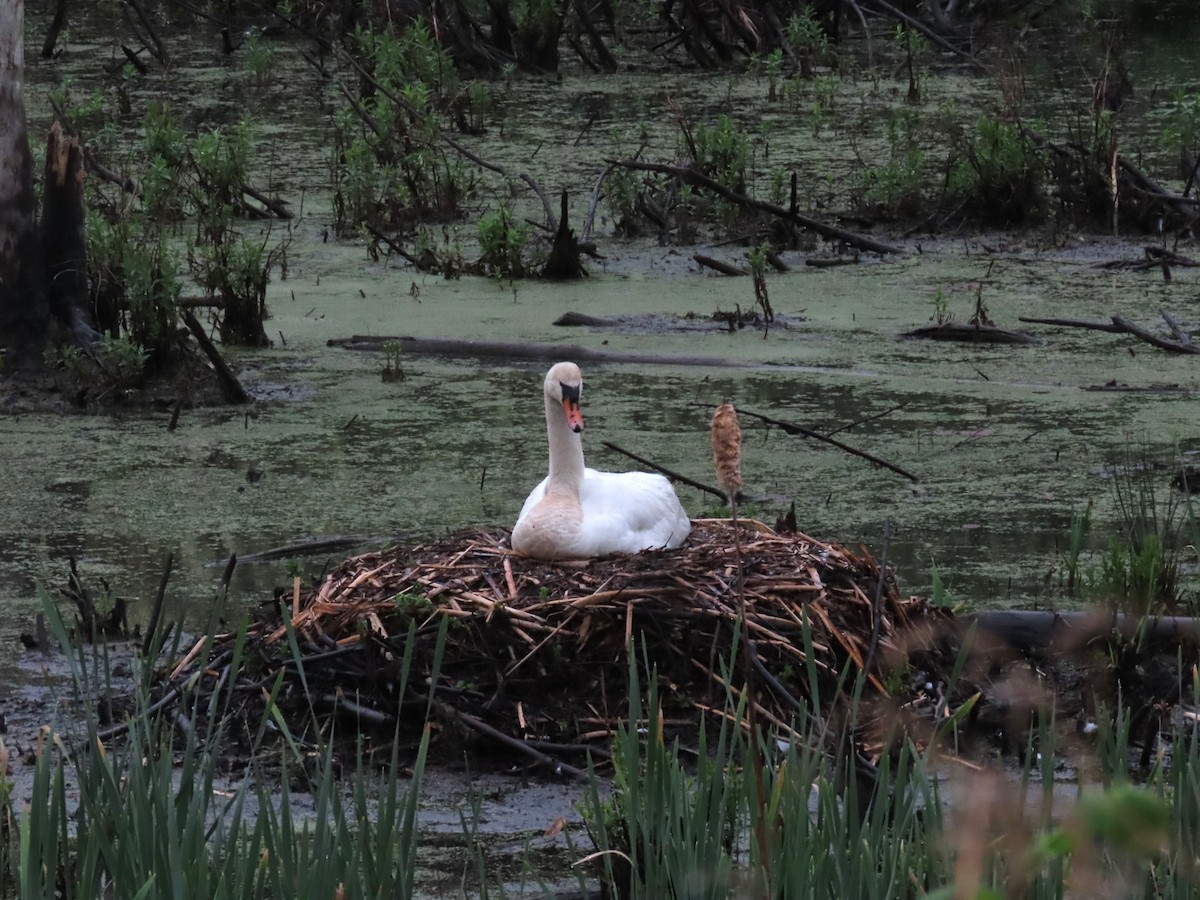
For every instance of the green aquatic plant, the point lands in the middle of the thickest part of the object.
(258, 57)
(897, 185)
(1080, 528)
(1181, 135)
(502, 240)
(1141, 568)
(393, 370)
(757, 257)
(156, 813)
(723, 149)
(808, 38)
(389, 165)
(997, 174)
(913, 47)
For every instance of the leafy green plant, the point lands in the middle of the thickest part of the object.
(939, 596)
(773, 67)
(723, 150)
(389, 164)
(914, 48)
(502, 240)
(1181, 135)
(237, 269)
(135, 264)
(1142, 568)
(1081, 526)
(757, 257)
(996, 172)
(897, 185)
(941, 307)
(809, 40)
(393, 371)
(258, 58)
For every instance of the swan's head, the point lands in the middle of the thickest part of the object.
(564, 385)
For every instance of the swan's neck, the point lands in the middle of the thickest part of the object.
(566, 449)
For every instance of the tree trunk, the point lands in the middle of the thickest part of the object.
(23, 307)
(64, 243)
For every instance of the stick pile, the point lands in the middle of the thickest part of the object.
(536, 652)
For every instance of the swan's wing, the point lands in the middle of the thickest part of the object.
(625, 512)
(534, 496)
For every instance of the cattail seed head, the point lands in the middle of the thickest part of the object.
(727, 449)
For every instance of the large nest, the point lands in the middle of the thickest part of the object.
(537, 653)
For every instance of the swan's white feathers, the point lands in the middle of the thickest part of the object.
(578, 512)
(622, 512)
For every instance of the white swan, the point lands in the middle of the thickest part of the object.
(576, 512)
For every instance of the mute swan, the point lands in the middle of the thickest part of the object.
(578, 512)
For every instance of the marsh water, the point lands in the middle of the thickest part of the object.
(1006, 441)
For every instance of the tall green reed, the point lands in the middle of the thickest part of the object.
(914, 821)
(158, 817)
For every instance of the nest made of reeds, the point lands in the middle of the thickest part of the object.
(538, 652)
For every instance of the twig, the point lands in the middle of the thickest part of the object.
(920, 26)
(791, 428)
(150, 37)
(363, 713)
(277, 207)
(1072, 323)
(670, 473)
(446, 711)
(871, 418)
(1177, 328)
(1139, 332)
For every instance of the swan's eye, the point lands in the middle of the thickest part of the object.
(570, 391)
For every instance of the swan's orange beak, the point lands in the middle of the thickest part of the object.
(574, 416)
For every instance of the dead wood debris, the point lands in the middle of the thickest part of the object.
(1121, 325)
(536, 652)
(970, 333)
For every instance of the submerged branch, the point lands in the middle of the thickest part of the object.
(791, 428)
(699, 179)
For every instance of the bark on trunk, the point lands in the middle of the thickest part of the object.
(23, 309)
(63, 241)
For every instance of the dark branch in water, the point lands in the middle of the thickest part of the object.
(1121, 325)
(791, 428)
(670, 473)
(698, 179)
(230, 386)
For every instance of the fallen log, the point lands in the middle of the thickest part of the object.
(439, 346)
(230, 386)
(574, 319)
(1154, 258)
(717, 265)
(1038, 630)
(1071, 323)
(975, 334)
(1121, 325)
(1153, 339)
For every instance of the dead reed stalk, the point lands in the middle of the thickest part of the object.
(726, 436)
(727, 450)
